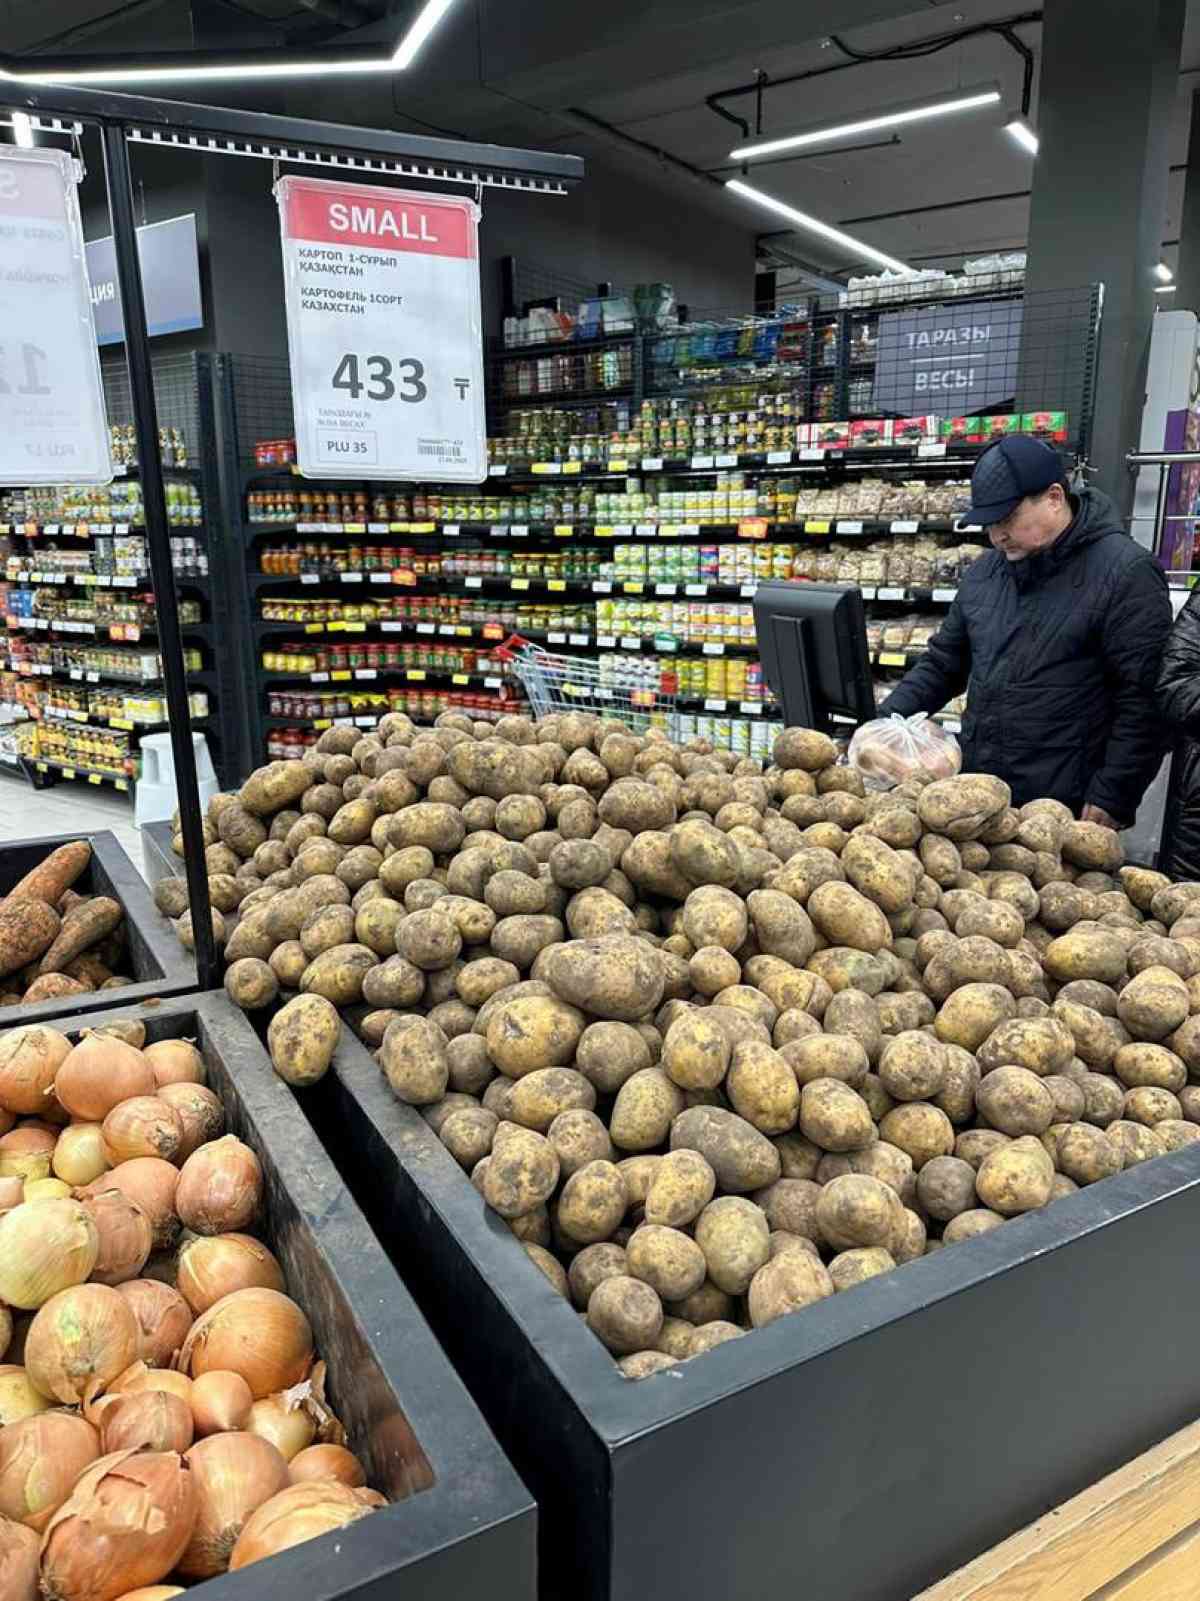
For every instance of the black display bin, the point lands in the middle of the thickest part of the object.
(465, 1526)
(158, 855)
(159, 963)
(856, 1451)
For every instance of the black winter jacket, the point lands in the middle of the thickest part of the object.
(1179, 703)
(1059, 654)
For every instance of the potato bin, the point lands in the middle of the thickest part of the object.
(855, 1451)
(459, 1522)
(153, 957)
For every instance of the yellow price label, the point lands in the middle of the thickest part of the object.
(416, 675)
(68, 772)
(556, 584)
(459, 678)
(541, 467)
(520, 583)
(816, 528)
(121, 784)
(93, 778)
(119, 722)
(397, 528)
(563, 530)
(314, 628)
(572, 467)
(354, 528)
(335, 627)
(892, 658)
(322, 722)
(618, 466)
(635, 589)
(421, 528)
(42, 768)
(354, 628)
(342, 676)
(603, 531)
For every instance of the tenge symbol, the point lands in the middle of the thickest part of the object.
(462, 385)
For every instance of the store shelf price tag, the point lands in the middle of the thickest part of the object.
(383, 312)
(727, 460)
(666, 589)
(712, 650)
(53, 427)
(546, 469)
(474, 583)
(631, 642)
(556, 585)
(341, 676)
(366, 672)
(868, 591)
(451, 530)
(459, 678)
(517, 530)
(520, 583)
(891, 594)
(635, 588)
(422, 628)
(498, 469)
(844, 527)
(695, 589)
(892, 658)
(714, 705)
(600, 586)
(905, 526)
(819, 527)
(748, 591)
(415, 675)
(492, 683)
(310, 578)
(778, 458)
(563, 530)
(944, 595)
(318, 678)
(381, 578)
(816, 453)
(931, 450)
(572, 469)
(556, 639)
(752, 528)
(579, 639)
(351, 578)
(750, 708)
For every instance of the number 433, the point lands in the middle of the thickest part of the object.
(380, 384)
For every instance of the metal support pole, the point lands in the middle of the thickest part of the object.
(154, 499)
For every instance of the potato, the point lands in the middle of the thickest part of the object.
(326, 927)
(530, 1032)
(827, 1056)
(847, 918)
(1153, 1004)
(781, 927)
(734, 1237)
(857, 1210)
(540, 1096)
(593, 1203)
(946, 1187)
(1144, 1064)
(878, 872)
(975, 959)
(1086, 1154)
(1043, 1045)
(712, 969)
(669, 1261)
(1103, 1099)
(835, 1117)
(625, 1314)
(762, 1088)
(1015, 1101)
(522, 1171)
(1175, 1134)
(1016, 1178)
(577, 1135)
(413, 1058)
(338, 973)
(468, 1136)
(251, 984)
(1097, 1038)
(842, 967)
(681, 1187)
(1150, 1105)
(787, 1283)
(920, 1130)
(610, 1053)
(519, 939)
(741, 1157)
(393, 982)
(591, 1267)
(790, 1206)
(644, 1109)
(961, 808)
(1089, 952)
(971, 1014)
(970, 1225)
(704, 854)
(616, 977)
(275, 786)
(913, 1067)
(715, 916)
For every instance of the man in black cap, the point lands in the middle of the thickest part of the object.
(1056, 635)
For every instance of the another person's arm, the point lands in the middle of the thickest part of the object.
(1178, 686)
(1135, 631)
(939, 676)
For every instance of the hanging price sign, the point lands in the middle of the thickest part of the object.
(384, 331)
(53, 427)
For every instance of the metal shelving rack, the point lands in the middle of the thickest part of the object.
(183, 396)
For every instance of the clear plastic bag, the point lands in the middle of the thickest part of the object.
(893, 749)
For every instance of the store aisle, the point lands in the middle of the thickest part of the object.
(67, 809)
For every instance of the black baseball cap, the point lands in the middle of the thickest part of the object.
(1009, 470)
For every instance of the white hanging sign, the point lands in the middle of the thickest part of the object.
(53, 426)
(384, 331)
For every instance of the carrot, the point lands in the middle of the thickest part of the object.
(81, 927)
(50, 879)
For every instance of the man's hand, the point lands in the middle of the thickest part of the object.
(1097, 814)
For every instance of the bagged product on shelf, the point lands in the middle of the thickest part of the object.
(893, 749)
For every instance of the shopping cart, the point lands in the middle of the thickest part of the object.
(609, 688)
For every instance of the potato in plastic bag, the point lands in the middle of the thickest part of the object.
(893, 749)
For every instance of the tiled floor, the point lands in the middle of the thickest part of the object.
(66, 808)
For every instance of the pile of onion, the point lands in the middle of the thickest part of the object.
(162, 1408)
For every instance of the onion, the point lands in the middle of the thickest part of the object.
(151, 1182)
(147, 1420)
(260, 1334)
(18, 1561)
(327, 1462)
(142, 1126)
(201, 1113)
(126, 1029)
(127, 1523)
(299, 1513)
(12, 1193)
(175, 1062)
(164, 1319)
(45, 1190)
(152, 1592)
(45, 1247)
(234, 1474)
(29, 1059)
(25, 1152)
(220, 1187)
(79, 1155)
(221, 1402)
(100, 1073)
(80, 1341)
(18, 1398)
(213, 1266)
(125, 1237)
(283, 1420)
(138, 1377)
(40, 1460)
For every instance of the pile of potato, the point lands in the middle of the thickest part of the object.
(54, 942)
(717, 1042)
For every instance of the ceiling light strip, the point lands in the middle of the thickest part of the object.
(435, 172)
(801, 219)
(896, 118)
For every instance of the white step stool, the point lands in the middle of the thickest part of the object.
(155, 794)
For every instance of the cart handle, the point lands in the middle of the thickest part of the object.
(505, 652)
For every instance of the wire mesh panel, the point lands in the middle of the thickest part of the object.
(631, 691)
(262, 399)
(176, 397)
